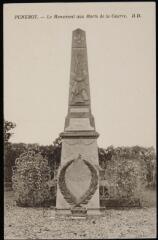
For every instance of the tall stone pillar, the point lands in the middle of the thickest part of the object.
(78, 175)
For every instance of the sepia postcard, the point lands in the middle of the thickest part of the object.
(79, 120)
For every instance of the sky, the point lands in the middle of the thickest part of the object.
(121, 62)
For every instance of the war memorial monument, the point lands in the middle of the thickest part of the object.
(78, 175)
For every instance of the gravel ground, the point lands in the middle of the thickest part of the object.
(31, 223)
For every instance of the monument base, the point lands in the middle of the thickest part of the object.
(79, 213)
(81, 176)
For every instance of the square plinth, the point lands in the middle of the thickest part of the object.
(78, 174)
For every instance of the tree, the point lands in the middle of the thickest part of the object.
(105, 155)
(7, 127)
(148, 155)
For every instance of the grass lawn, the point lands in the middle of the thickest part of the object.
(37, 223)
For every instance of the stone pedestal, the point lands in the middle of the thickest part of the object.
(71, 149)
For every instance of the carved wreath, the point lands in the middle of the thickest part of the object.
(69, 197)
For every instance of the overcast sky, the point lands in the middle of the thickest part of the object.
(121, 61)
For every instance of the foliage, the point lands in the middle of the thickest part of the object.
(51, 152)
(30, 179)
(105, 155)
(12, 151)
(145, 157)
(144, 160)
(7, 127)
(125, 178)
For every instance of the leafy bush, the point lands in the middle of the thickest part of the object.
(145, 157)
(125, 178)
(31, 175)
(13, 150)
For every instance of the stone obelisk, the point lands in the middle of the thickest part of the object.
(78, 175)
